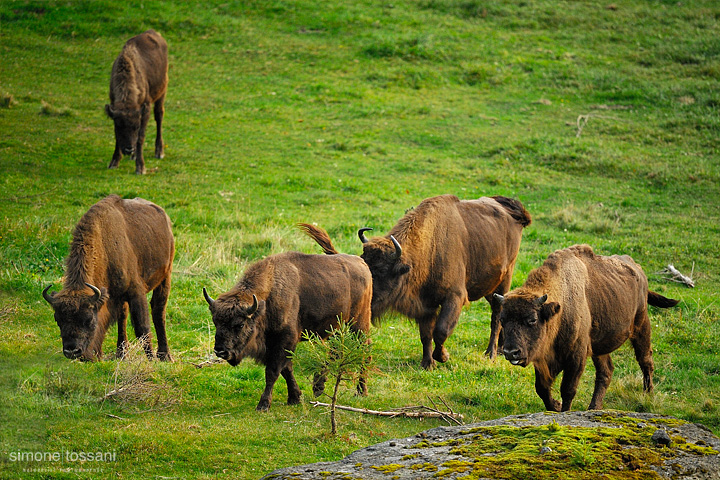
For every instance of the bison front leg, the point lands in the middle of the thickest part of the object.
(118, 313)
(272, 372)
(446, 322)
(603, 373)
(139, 158)
(159, 111)
(117, 155)
(140, 318)
(495, 327)
(294, 392)
(543, 386)
(570, 382)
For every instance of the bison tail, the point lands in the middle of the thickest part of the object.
(515, 209)
(320, 236)
(657, 300)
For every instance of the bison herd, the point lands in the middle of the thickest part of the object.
(439, 256)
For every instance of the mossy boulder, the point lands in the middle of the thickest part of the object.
(554, 446)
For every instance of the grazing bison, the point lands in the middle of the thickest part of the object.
(139, 77)
(438, 257)
(279, 297)
(121, 250)
(578, 304)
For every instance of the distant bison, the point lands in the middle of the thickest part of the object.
(139, 78)
(279, 297)
(438, 257)
(121, 250)
(578, 304)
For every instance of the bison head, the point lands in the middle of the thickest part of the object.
(383, 255)
(127, 126)
(235, 325)
(76, 313)
(524, 322)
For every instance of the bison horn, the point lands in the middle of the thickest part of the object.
(208, 298)
(97, 293)
(499, 298)
(254, 307)
(539, 301)
(361, 234)
(48, 297)
(398, 248)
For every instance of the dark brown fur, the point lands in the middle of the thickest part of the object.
(125, 248)
(296, 292)
(578, 304)
(453, 252)
(139, 78)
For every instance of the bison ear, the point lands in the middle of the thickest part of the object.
(109, 111)
(549, 310)
(401, 269)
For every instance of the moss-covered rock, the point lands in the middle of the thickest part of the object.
(569, 445)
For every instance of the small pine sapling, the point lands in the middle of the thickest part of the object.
(343, 357)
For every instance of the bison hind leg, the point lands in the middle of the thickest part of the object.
(643, 350)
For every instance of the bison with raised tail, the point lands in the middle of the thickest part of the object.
(264, 315)
(120, 251)
(441, 255)
(138, 79)
(576, 305)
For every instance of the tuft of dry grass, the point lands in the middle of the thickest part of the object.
(52, 111)
(134, 382)
(7, 101)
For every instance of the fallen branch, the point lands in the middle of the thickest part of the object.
(419, 411)
(671, 273)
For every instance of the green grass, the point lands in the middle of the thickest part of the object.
(281, 112)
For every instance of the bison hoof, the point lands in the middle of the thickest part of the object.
(442, 355)
(140, 172)
(159, 155)
(293, 400)
(164, 357)
(263, 406)
(427, 364)
(491, 354)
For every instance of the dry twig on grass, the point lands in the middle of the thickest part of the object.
(415, 411)
(673, 274)
(207, 363)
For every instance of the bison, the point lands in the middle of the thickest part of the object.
(441, 255)
(120, 250)
(578, 304)
(139, 77)
(278, 298)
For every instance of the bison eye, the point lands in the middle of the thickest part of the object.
(531, 320)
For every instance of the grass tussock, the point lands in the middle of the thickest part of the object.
(136, 383)
(7, 101)
(595, 218)
(53, 111)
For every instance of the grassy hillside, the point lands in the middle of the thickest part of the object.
(603, 119)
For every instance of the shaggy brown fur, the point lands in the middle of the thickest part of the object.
(124, 248)
(453, 252)
(578, 304)
(139, 78)
(295, 292)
